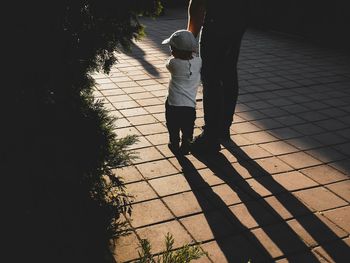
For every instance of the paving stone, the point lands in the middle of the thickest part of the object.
(143, 119)
(335, 252)
(158, 139)
(147, 154)
(309, 256)
(140, 191)
(343, 166)
(151, 128)
(209, 225)
(244, 127)
(304, 143)
(299, 160)
(254, 151)
(285, 133)
(331, 124)
(326, 154)
(279, 240)
(155, 109)
(261, 187)
(156, 169)
(121, 105)
(285, 205)
(289, 120)
(123, 132)
(342, 189)
(316, 230)
(329, 138)
(141, 96)
(278, 148)
(156, 235)
(273, 165)
(259, 137)
(294, 180)
(308, 129)
(126, 248)
(319, 199)
(188, 203)
(149, 212)
(224, 195)
(128, 174)
(194, 163)
(149, 101)
(233, 249)
(324, 174)
(252, 214)
(133, 112)
(170, 184)
(340, 216)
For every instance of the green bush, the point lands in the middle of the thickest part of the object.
(185, 254)
(58, 148)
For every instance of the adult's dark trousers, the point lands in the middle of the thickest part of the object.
(179, 118)
(219, 53)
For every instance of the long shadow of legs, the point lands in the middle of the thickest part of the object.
(281, 234)
(224, 226)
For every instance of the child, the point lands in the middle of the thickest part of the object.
(184, 66)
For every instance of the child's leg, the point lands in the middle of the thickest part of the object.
(173, 125)
(187, 126)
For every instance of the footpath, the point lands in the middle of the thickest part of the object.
(281, 194)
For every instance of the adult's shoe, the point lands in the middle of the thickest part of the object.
(205, 145)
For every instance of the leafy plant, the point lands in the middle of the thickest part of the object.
(58, 146)
(185, 254)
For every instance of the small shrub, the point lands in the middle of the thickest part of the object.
(185, 254)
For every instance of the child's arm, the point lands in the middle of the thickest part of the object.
(169, 64)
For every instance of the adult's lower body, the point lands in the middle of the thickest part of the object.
(219, 55)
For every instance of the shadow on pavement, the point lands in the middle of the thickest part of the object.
(138, 54)
(225, 224)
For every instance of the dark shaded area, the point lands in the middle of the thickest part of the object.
(322, 21)
(57, 144)
(225, 225)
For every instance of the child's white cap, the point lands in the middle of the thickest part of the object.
(183, 40)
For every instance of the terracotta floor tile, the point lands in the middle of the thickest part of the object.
(128, 174)
(126, 248)
(299, 160)
(188, 203)
(316, 230)
(156, 235)
(209, 225)
(156, 169)
(140, 191)
(293, 181)
(341, 188)
(170, 184)
(319, 198)
(149, 212)
(340, 216)
(324, 174)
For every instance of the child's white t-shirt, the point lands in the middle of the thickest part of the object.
(184, 81)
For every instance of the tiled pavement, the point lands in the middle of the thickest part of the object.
(281, 195)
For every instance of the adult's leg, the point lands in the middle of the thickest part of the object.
(211, 54)
(229, 85)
